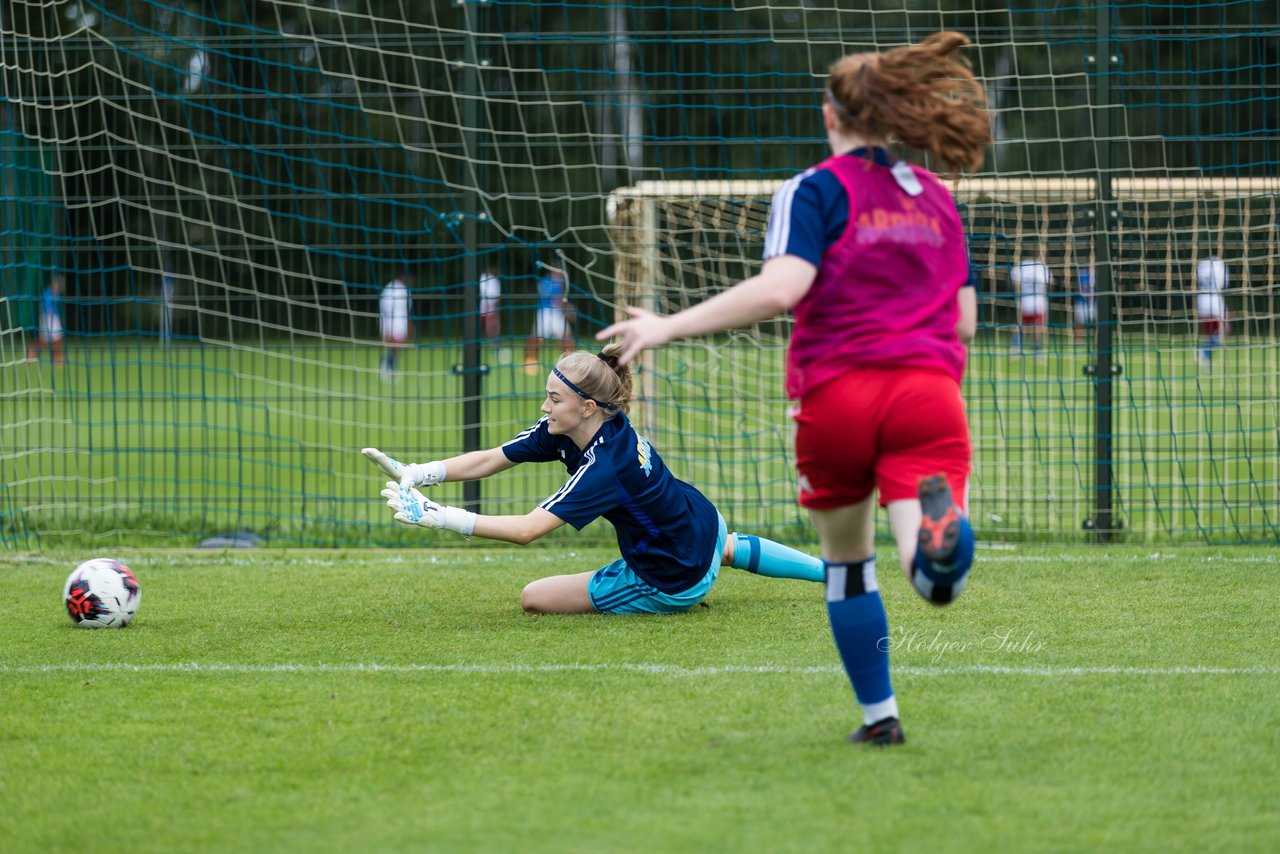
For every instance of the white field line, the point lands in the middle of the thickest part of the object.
(646, 669)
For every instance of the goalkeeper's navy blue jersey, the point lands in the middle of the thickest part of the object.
(666, 528)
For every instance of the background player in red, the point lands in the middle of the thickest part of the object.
(868, 253)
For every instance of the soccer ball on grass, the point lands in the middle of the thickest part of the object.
(102, 594)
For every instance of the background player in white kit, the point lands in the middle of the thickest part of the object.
(1031, 280)
(1211, 307)
(490, 297)
(394, 321)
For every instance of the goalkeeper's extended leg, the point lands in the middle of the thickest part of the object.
(765, 557)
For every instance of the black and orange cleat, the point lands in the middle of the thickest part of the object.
(940, 525)
(882, 733)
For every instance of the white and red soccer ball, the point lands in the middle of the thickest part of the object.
(102, 594)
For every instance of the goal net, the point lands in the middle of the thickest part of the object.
(221, 192)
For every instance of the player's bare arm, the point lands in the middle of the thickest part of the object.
(520, 530)
(476, 465)
(411, 507)
(470, 466)
(780, 284)
(967, 325)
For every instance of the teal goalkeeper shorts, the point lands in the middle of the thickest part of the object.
(616, 589)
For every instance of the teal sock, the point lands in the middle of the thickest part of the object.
(765, 557)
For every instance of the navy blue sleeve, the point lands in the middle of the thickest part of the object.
(533, 445)
(808, 214)
(590, 492)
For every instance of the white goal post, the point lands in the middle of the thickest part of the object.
(638, 238)
(677, 242)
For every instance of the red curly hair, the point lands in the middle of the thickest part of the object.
(923, 95)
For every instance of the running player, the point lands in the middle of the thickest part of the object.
(868, 253)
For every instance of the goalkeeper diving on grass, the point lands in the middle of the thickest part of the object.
(672, 539)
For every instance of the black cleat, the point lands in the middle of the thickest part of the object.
(879, 734)
(940, 527)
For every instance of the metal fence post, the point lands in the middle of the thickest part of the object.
(1104, 370)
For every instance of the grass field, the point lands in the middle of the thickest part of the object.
(130, 444)
(1074, 699)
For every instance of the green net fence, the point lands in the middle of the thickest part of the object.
(224, 188)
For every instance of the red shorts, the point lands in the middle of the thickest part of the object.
(881, 429)
(1035, 319)
(1211, 326)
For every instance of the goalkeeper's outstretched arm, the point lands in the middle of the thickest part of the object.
(470, 466)
(520, 530)
(411, 507)
(476, 465)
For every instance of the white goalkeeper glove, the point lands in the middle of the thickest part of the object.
(413, 474)
(414, 508)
